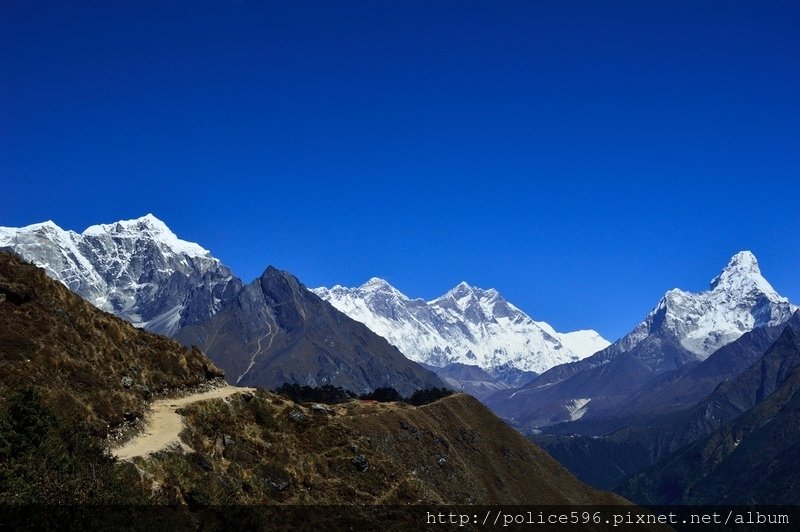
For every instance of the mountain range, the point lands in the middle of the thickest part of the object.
(77, 381)
(141, 271)
(467, 326)
(682, 330)
(266, 333)
(675, 411)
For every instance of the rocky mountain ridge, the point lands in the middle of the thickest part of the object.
(466, 325)
(277, 331)
(683, 329)
(136, 269)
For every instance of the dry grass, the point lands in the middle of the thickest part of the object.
(78, 356)
(453, 451)
(259, 448)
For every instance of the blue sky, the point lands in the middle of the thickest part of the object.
(580, 157)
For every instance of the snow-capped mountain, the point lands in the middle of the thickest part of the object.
(738, 300)
(466, 325)
(683, 328)
(137, 269)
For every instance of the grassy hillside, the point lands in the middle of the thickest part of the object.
(92, 365)
(70, 375)
(258, 448)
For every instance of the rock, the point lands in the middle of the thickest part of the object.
(127, 382)
(320, 409)
(296, 415)
(442, 461)
(16, 293)
(361, 463)
(277, 484)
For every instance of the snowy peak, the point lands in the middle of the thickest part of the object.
(376, 284)
(145, 224)
(47, 229)
(739, 300)
(459, 291)
(742, 274)
(137, 269)
(148, 227)
(467, 325)
(742, 264)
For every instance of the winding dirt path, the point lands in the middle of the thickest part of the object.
(163, 424)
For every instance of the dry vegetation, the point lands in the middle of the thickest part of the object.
(92, 365)
(260, 448)
(69, 373)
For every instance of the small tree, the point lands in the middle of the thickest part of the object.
(383, 395)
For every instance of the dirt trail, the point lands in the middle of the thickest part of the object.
(163, 424)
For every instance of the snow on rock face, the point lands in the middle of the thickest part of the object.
(467, 325)
(583, 343)
(577, 408)
(137, 269)
(739, 300)
(150, 228)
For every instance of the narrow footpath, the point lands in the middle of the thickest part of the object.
(163, 424)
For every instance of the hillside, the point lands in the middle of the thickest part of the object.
(72, 374)
(751, 459)
(91, 364)
(257, 448)
(72, 378)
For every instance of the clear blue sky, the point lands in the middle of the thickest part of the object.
(580, 157)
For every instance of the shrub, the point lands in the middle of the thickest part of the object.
(423, 397)
(45, 458)
(326, 394)
(383, 395)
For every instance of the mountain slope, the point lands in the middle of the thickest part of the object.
(680, 389)
(749, 460)
(64, 363)
(94, 364)
(137, 269)
(683, 329)
(467, 325)
(277, 331)
(643, 435)
(452, 451)
(71, 379)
